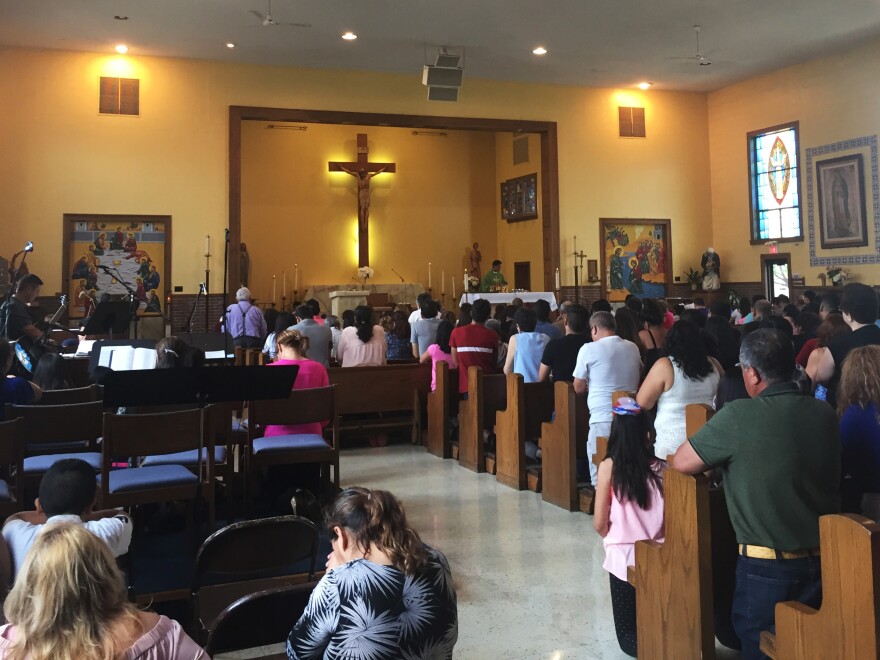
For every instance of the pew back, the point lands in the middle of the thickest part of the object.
(486, 395)
(560, 440)
(442, 405)
(528, 405)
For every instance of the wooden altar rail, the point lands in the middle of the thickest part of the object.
(847, 623)
(442, 406)
(486, 395)
(528, 406)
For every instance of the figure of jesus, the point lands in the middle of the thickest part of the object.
(363, 180)
(476, 258)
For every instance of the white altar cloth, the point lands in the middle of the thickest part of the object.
(506, 298)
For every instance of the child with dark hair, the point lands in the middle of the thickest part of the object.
(51, 373)
(526, 347)
(68, 492)
(439, 351)
(629, 508)
(282, 321)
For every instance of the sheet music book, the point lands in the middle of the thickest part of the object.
(85, 347)
(127, 358)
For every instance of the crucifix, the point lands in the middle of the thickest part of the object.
(363, 171)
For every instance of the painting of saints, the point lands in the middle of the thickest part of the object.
(80, 268)
(642, 255)
(152, 280)
(144, 269)
(154, 304)
(131, 244)
(101, 244)
(92, 278)
(617, 262)
(140, 294)
(635, 277)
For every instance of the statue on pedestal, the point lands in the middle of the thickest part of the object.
(711, 264)
(475, 259)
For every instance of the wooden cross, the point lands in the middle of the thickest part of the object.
(363, 171)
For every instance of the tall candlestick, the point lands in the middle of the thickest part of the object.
(207, 244)
(273, 289)
(453, 288)
(429, 274)
(296, 277)
(442, 280)
(557, 280)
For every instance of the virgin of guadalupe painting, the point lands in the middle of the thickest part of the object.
(115, 255)
(843, 220)
(635, 258)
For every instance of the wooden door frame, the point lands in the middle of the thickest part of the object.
(549, 164)
(779, 256)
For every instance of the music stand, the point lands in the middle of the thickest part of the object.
(95, 355)
(110, 317)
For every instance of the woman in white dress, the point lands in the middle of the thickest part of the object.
(686, 374)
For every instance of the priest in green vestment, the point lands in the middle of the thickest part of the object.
(493, 280)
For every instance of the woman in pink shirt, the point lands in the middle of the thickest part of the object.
(69, 601)
(439, 351)
(292, 349)
(629, 508)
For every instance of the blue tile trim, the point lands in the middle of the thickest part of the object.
(872, 256)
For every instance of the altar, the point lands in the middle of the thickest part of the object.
(507, 298)
(336, 298)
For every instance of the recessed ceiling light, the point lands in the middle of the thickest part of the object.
(644, 85)
(540, 50)
(122, 49)
(230, 45)
(349, 36)
(121, 18)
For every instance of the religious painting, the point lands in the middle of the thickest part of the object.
(843, 219)
(635, 258)
(519, 198)
(116, 256)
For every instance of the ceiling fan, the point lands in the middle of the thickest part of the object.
(267, 20)
(699, 58)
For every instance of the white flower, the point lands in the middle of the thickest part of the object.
(365, 272)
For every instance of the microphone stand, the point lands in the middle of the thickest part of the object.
(225, 292)
(189, 323)
(9, 294)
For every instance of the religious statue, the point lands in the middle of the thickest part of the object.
(711, 264)
(245, 265)
(363, 177)
(476, 258)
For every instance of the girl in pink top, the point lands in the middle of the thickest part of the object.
(439, 351)
(629, 508)
(292, 349)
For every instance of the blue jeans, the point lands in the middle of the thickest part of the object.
(760, 584)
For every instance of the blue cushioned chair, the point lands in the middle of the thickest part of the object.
(11, 456)
(304, 406)
(186, 433)
(59, 431)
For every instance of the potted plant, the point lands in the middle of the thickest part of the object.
(693, 277)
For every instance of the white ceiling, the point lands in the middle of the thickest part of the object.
(603, 43)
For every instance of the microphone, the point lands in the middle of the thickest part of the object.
(29, 247)
(106, 269)
(398, 274)
(202, 289)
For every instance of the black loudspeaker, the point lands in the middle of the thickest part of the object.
(439, 76)
(443, 93)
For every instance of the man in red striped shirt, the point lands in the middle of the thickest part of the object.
(474, 345)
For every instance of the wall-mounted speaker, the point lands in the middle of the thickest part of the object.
(441, 76)
(443, 93)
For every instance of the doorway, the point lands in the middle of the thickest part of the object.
(776, 275)
(522, 275)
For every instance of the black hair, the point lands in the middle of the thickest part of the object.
(770, 353)
(809, 322)
(810, 295)
(830, 301)
(67, 488)
(694, 316)
(400, 328)
(363, 321)
(29, 281)
(271, 315)
(720, 308)
(632, 460)
(481, 310)
(577, 318)
(731, 387)
(444, 332)
(860, 302)
(792, 312)
(777, 323)
(601, 305)
(685, 347)
(347, 318)
(428, 309)
(305, 311)
(464, 314)
(781, 299)
(757, 297)
(315, 306)
(526, 320)
(497, 262)
(811, 307)
(51, 373)
(284, 321)
(634, 303)
(422, 297)
(726, 340)
(652, 312)
(629, 323)
(500, 312)
(699, 301)
(745, 306)
(542, 310)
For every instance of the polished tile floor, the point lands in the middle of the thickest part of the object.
(528, 574)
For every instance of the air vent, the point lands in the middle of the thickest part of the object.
(119, 96)
(632, 122)
(521, 149)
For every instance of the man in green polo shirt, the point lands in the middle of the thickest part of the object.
(493, 280)
(780, 456)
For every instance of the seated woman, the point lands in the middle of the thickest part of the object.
(174, 353)
(525, 348)
(439, 351)
(384, 590)
(292, 347)
(362, 344)
(397, 336)
(858, 398)
(685, 375)
(69, 601)
(51, 373)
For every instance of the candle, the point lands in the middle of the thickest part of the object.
(453, 288)
(557, 279)
(284, 284)
(207, 244)
(465, 285)
(296, 277)
(273, 289)
(429, 274)
(442, 280)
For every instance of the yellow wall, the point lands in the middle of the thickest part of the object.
(518, 241)
(59, 156)
(834, 99)
(440, 200)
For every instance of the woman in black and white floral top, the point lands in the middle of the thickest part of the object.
(385, 595)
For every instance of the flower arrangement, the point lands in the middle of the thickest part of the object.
(365, 273)
(837, 275)
(473, 283)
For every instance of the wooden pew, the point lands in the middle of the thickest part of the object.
(395, 392)
(486, 395)
(847, 623)
(442, 406)
(528, 406)
(561, 441)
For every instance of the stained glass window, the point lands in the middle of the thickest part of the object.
(775, 190)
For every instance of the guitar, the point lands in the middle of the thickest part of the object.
(28, 350)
